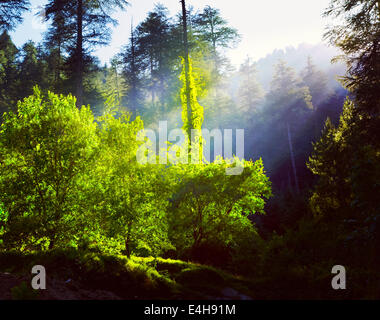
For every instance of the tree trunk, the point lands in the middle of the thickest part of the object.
(133, 90)
(79, 54)
(117, 86)
(127, 247)
(215, 56)
(186, 53)
(293, 160)
(51, 244)
(58, 66)
(128, 241)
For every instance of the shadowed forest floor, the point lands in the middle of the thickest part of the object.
(89, 276)
(74, 275)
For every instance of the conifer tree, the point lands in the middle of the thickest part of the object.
(88, 21)
(358, 36)
(11, 13)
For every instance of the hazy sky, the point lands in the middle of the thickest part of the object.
(263, 24)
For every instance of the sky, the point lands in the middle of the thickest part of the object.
(263, 25)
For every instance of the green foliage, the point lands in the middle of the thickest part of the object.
(68, 181)
(210, 27)
(357, 35)
(112, 89)
(46, 151)
(196, 112)
(3, 221)
(346, 195)
(216, 205)
(131, 205)
(336, 161)
(8, 72)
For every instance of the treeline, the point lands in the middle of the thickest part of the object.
(144, 78)
(338, 218)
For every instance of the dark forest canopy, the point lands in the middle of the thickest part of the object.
(305, 200)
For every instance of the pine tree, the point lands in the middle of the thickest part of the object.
(358, 36)
(288, 106)
(57, 40)
(133, 68)
(153, 47)
(250, 90)
(316, 81)
(209, 26)
(8, 72)
(11, 13)
(89, 22)
(30, 72)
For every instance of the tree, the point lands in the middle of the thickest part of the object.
(11, 13)
(346, 158)
(153, 46)
(113, 86)
(47, 148)
(131, 199)
(8, 72)
(192, 111)
(88, 21)
(187, 114)
(133, 68)
(151, 63)
(212, 28)
(57, 40)
(288, 105)
(316, 81)
(250, 91)
(358, 36)
(347, 165)
(210, 208)
(30, 70)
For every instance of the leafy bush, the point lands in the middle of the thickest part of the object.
(217, 207)
(47, 149)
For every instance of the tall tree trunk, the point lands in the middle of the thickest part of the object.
(133, 90)
(153, 81)
(214, 47)
(215, 58)
(57, 75)
(186, 57)
(79, 54)
(293, 160)
(117, 86)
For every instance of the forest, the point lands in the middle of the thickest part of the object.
(76, 198)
